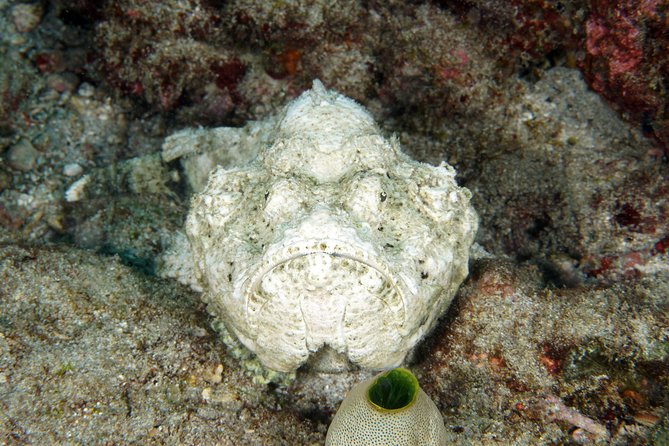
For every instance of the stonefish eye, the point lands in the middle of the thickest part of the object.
(365, 197)
(218, 204)
(284, 200)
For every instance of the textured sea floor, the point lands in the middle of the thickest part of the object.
(95, 352)
(560, 335)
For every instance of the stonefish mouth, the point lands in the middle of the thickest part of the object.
(330, 290)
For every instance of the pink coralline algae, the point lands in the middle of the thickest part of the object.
(621, 46)
(626, 59)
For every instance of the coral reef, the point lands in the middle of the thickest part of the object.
(626, 60)
(582, 190)
(558, 336)
(144, 53)
(619, 46)
(210, 62)
(590, 358)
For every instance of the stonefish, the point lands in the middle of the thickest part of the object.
(329, 242)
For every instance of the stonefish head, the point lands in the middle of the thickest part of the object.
(331, 239)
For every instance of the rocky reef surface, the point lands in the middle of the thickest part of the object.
(553, 114)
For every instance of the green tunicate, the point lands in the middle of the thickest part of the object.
(390, 408)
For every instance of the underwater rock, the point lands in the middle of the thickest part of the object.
(331, 240)
(22, 156)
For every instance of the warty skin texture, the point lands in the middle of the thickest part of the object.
(330, 240)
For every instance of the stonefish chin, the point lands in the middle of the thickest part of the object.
(330, 241)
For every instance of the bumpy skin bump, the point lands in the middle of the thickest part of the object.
(358, 422)
(331, 238)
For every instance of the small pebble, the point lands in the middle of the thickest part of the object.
(22, 156)
(26, 16)
(5, 179)
(86, 90)
(63, 82)
(77, 190)
(72, 170)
